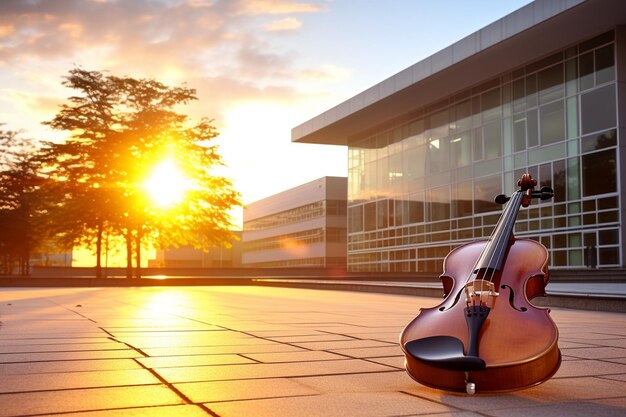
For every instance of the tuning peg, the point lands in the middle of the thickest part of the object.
(501, 199)
(545, 193)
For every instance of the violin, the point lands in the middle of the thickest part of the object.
(486, 334)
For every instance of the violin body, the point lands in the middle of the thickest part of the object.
(513, 343)
(519, 347)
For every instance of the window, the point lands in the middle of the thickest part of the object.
(551, 84)
(532, 129)
(598, 109)
(604, 65)
(369, 216)
(519, 133)
(552, 122)
(492, 135)
(439, 207)
(485, 189)
(355, 218)
(599, 173)
(599, 140)
(462, 202)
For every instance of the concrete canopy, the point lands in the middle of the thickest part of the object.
(530, 33)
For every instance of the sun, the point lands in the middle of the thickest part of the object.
(166, 185)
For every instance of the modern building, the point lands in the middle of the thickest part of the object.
(538, 91)
(188, 257)
(301, 227)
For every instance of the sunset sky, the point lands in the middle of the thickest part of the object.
(260, 67)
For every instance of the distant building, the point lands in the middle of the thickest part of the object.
(301, 227)
(537, 91)
(51, 255)
(188, 257)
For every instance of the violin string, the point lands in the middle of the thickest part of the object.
(496, 229)
(503, 223)
(476, 266)
(513, 204)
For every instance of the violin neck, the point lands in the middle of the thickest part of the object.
(493, 255)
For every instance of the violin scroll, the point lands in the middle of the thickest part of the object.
(527, 186)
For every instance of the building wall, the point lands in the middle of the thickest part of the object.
(423, 185)
(188, 257)
(304, 226)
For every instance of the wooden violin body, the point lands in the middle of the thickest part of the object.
(488, 337)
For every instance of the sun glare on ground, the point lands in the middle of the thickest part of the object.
(166, 185)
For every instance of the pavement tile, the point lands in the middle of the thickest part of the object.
(564, 344)
(617, 377)
(559, 390)
(346, 344)
(218, 391)
(5, 342)
(66, 356)
(604, 408)
(271, 334)
(588, 368)
(326, 337)
(85, 400)
(186, 327)
(194, 360)
(21, 368)
(618, 343)
(371, 352)
(167, 411)
(596, 353)
(48, 328)
(65, 347)
(186, 341)
(73, 380)
(395, 361)
(20, 333)
(351, 404)
(446, 414)
(183, 334)
(305, 356)
(261, 347)
(365, 382)
(220, 373)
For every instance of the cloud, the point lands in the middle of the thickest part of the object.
(32, 102)
(144, 37)
(326, 73)
(7, 30)
(258, 7)
(282, 25)
(225, 49)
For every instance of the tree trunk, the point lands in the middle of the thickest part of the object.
(129, 254)
(138, 253)
(99, 251)
(24, 262)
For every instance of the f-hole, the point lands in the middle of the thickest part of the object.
(456, 300)
(512, 298)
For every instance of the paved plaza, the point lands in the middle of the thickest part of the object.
(264, 351)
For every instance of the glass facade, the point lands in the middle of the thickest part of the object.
(427, 185)
(285, 242)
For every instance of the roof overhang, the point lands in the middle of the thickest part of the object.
(532, 32)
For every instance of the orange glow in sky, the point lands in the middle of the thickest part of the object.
(260, 68)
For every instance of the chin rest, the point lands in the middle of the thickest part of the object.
(443, 352)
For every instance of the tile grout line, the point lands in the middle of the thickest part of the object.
(158, 376)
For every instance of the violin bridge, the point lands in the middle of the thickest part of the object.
(480, 292)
